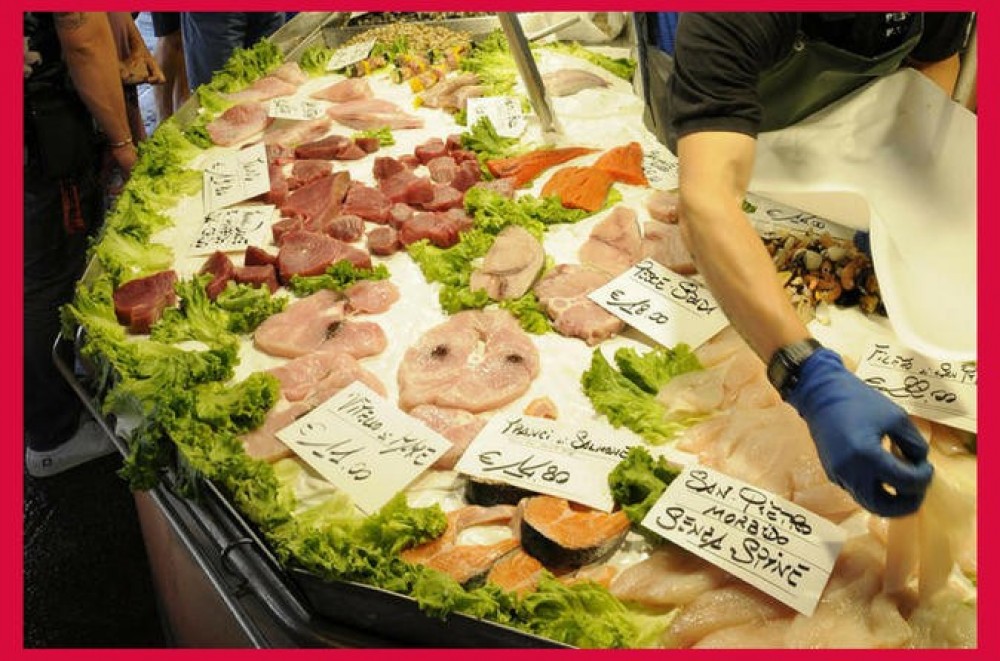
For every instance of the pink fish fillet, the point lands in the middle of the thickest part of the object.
(302, 327)
(367, 114)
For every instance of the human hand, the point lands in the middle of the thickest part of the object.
(135, 63)
(847, 420)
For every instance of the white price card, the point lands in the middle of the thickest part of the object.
(347, 55)
(234, 228)
(769, 217)
(772, 544)
(664, 305)
(943, 391)
(571, 461)
(289, 107)
(659, 165)
(364, 445)
(235, 177)
(504, 112)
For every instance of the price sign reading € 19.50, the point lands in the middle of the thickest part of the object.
(234, 228)
(664, 305)
(772, 544)
(364, 445)
(236, 177)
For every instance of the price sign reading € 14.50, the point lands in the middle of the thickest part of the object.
(664, 305)
(287, 107)
(236, 177)
(775, 545)
(937, 390)
(348, 55)
(504, 112)
(567, 461)
(234, 228)
(364, 445)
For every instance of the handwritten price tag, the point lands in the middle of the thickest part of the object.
(659, 165)
(941, 391)
(236, 177)
(348, 55)
(504, 112)
(568, 461)
(287, 107)
(664, 305)
(774, 545)
(364, 445)
(234, 228)
(769, 217)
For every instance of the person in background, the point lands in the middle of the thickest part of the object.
(136, 66)
(735, 75)
(169, 53)
(74, 112)
(210, 38)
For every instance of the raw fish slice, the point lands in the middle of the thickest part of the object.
(729, 606)
(562, 291)
(516, 572)
(263, 89)
(510, 266)
(291, 133)
(662, 206)
(344, 370)
(368, 114)
(302, 327)
(358, 339)
(261, 443)
(561, 534)
(371, 296)
(566, 82)
(238, 123)
(755, 635)
(614, 244)
(456, 425)
(670, 576)
(664, 244)
(467, 563)
(597, 573)
(624, 163)
(350, 89)
(291, 72)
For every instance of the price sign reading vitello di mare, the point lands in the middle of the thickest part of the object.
(364, 445)
(236, 177)
(775, 545)
(557, 459)
(234, 228)
(664, 305)
(942, 391)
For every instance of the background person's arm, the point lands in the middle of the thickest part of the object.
(715, 168)
(92, 60)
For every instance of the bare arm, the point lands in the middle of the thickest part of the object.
(92, 59)
(944, 73)
(715, 168)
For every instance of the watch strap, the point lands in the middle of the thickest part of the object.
(783, 368)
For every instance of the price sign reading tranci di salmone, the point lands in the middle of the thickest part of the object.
(233, 229)
(364, 445)
(236, 177)
(664, 305)
(774, 545)
(554, 458)
(942, 391)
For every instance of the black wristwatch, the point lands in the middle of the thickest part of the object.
(783, 368)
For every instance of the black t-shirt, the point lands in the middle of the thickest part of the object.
(719, 57)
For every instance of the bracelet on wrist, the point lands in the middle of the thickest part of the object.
(119, 145)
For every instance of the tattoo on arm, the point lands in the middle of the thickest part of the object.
(69, 20)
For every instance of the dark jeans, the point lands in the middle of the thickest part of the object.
(54, 259)
(210, 38)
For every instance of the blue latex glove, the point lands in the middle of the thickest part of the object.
(847, 420)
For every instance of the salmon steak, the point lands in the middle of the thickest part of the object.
(564, 535)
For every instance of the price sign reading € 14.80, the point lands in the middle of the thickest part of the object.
(287, 107)
(234, 228)
(348, 55)
(775, 545)
(937, 390)
(364, 445)
(664, 305)
(236, 177)
(504, 112)
(567, 461)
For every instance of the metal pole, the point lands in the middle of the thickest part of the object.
(965, 86)
(526, 66)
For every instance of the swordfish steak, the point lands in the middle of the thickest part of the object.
(476, 361)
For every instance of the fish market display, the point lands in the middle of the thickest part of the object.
(447, 268)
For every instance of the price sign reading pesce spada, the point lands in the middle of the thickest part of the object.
(664, 305)
(288, 107)
(348, 55)
(567, 461)
(772, 544)
(236, 177)
(504, 112)
(942, 391)
(364, 445)
(233, 229)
